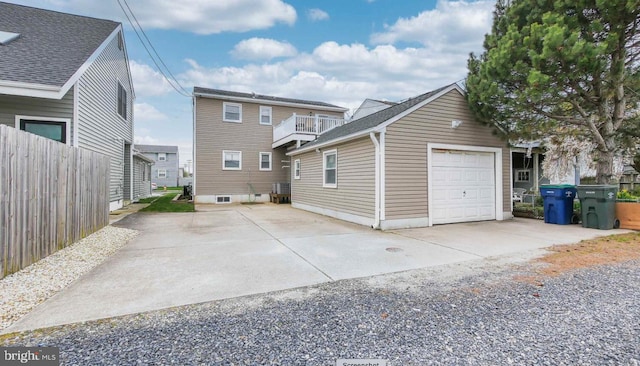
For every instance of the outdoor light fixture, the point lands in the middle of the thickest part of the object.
(455, 123)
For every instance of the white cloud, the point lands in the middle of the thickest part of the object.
(451, 26)
(147, 81)
(317, 15)
(262, 49)
(338, 73)
(145, 112)
(196, 16)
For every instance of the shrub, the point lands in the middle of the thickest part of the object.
(625, 195)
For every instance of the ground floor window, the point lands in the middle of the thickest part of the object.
(162, 173)
(54, 130)
(296, 169)
(265, 161)
(231, 160)
(330, 168)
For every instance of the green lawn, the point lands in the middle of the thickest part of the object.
(165, 204)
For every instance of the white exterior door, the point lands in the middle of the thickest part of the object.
(463, 186)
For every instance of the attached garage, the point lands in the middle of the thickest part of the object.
(423, 162)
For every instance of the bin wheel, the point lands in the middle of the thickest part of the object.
(616, 224)
(575, 219)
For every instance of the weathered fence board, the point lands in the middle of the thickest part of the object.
(51, 195)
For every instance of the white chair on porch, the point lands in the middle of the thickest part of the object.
(518, 193)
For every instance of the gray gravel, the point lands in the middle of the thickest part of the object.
(585, 317)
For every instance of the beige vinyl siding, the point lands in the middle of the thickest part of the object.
(355, 193)
(212, 136)
(406, 152)
(11, 106)
(101, 128)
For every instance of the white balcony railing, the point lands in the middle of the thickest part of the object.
(312, 126)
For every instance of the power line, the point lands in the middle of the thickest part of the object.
(181, 90)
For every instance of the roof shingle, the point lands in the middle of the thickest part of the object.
(51, 47)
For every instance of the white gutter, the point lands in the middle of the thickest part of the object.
(271, 102)
(376, 224)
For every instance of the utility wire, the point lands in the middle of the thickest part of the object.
(178, 88)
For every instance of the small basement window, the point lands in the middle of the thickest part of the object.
(223, 199)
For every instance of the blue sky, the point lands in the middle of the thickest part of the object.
(336, 51)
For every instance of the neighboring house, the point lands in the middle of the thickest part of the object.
(142, 176)
(67, 77)
(165, 170)
(526, 160)
(241, 140)
(421, 162)
(370, 106)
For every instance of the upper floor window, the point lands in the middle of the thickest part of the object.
(265, 115)
(162, 156)
(232, 112)
(330, 168)
(122, 101)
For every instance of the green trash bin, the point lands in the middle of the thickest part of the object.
(598, 206)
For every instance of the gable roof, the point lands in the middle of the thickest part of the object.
(375, 121)
(51, 48)
(266, 99)
(156, 149)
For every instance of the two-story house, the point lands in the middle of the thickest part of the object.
(66, 77)
(241, 141)
(165, 170)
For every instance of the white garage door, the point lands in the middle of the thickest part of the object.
(463, 186)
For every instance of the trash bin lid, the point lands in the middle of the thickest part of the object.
(558, 186)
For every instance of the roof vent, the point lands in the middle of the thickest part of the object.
(7, 37)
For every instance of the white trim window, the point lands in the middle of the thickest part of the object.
(522, 175)
(57, 129)
(231, 160)
(122, 101)
(162, 156)
(232, 112)
(162, 173)
(330, 169)
(296, 169)
(266, 115)
(265, 161)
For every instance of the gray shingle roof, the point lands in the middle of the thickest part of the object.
(156, 149)
(52, 46)
(197, 90)
(373, 119)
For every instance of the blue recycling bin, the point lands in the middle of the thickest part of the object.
(558, 203)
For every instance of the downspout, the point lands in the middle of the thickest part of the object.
(376, 224)
(383, 175)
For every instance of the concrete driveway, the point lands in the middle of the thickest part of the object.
(236, 250)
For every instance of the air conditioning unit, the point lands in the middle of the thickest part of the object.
(281, 188)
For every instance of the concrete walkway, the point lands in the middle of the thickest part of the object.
(236, 250)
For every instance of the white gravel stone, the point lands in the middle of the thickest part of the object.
(24, 290)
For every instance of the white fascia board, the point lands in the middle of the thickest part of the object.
(353, 136)
(270, 102)
(30, 90)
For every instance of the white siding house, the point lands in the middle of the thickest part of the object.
(81, 96)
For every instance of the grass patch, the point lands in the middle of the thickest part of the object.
(148, 199)
(166, 204)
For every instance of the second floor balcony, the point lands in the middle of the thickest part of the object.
(303, 128)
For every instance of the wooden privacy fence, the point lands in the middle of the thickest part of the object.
(51, 195)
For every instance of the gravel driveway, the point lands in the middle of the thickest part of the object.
(472, 314)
